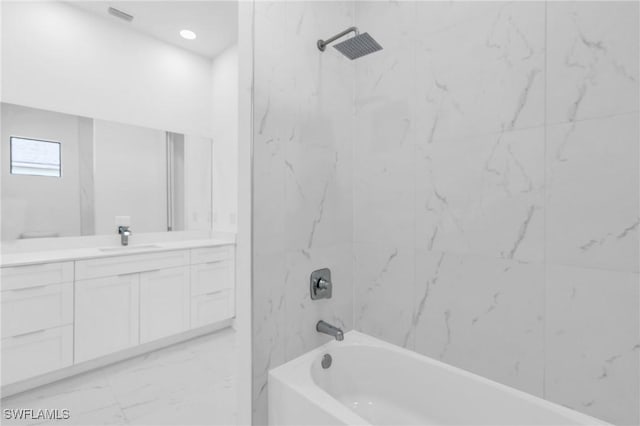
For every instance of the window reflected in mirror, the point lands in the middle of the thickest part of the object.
(35, 157)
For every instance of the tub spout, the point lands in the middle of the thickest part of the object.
(326, 328)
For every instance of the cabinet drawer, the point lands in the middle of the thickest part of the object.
(36, 308)
(118, 265)
(36, 275)
(211, 254)
(32, 354)
(212, 276)
(212, 307)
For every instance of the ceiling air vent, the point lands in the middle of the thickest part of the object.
(120, 14)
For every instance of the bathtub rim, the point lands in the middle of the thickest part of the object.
(297, 375)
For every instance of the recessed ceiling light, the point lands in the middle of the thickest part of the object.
(188, 34)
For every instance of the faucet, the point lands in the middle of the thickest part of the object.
(124, 232)
(326, 328)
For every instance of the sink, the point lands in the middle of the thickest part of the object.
(129, 248)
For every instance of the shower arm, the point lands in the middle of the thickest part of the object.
(322, 44)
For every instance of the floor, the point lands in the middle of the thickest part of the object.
(192, 383)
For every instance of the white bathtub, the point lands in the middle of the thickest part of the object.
(371, 382)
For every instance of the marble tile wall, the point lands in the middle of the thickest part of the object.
(302, 208)
(496, 190)
(474, 188)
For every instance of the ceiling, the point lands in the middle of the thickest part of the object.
(215, 22)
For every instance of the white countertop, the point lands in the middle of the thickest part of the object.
(48, 256)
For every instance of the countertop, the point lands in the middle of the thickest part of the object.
(62, 255)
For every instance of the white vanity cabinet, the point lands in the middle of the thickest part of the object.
(164, 303)
(102, 308)
(122, 301)
(212, 285)
(37, 317)
(106, 317)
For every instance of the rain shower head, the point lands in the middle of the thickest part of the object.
(353, 48)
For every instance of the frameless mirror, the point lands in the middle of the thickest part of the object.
(65, 175)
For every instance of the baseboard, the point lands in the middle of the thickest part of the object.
(83, 367)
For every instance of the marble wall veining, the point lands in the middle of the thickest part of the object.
(302, 210)
(474, 187)
(496, 193)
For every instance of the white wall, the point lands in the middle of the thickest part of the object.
(40, 203)
(130, 177)
(60, 58)
(75, 62)
(197, 179)
(225, 139)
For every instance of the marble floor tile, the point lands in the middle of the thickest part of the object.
(190, 383)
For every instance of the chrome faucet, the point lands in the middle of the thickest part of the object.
(326, 328)
(124, 232)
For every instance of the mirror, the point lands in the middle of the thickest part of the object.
(65, 176)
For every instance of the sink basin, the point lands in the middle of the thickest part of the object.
(129, 248)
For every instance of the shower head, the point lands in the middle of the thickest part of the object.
(358, 46)
(353, 48)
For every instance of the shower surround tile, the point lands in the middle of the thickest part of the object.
(482, 73)
(268, 316)
(302, 220)
(383, 279)
(593, 59)
(482, 195)
(317, 166)
(592, 206)
(593, 341)
(383, 195)
(464, 315)
(383, 181)
(459, 163)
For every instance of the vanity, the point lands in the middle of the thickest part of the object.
(72, 310)
(110, 244)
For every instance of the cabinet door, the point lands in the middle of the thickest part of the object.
(31, 354)
(164, 303)
(106, 315)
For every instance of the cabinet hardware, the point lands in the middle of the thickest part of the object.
(29, 333)
(215, 292)
(17, 290)
(213, 262)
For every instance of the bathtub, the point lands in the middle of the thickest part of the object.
(371, 382)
